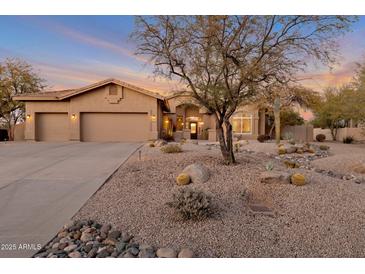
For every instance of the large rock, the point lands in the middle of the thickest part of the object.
(166, 253)
(185, 253)
(291, 149)
(198, 173)
(274, 177)
(86, 237)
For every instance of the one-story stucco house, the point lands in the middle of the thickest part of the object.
(113, 110)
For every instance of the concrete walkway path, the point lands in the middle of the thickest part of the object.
(42, 185)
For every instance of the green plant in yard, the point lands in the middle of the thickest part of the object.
(269, 166)
(191, 204)
(171, 148)
(320, 137)
(324, 147)
(348, 140)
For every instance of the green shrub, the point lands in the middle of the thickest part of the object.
(348, 140)
(191, 204)
(171, 148)
(324, 147)
(320, 137)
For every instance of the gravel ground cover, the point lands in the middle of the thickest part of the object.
(324, 218)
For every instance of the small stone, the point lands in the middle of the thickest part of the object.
(291, 149)
(77, 235)
(62, 234)
(114, 254)
(105, 229)
(110, 241)
(62, 245)
(166, 252)
(146, 253)
(120, 246)
(103, 254)
(56, 245)
(92, 253)
(88, 247)
(86, 236)
(70, 248)
(128, 255)
(126, 237)
(185, 253)
(114, 234)
(133, 250)
(74, 254)
(64, 240)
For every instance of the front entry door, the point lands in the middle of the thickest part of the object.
(193, 130)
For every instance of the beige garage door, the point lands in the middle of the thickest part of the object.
(114, 127)
(52, 127)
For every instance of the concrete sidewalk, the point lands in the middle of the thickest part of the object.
(42, 185)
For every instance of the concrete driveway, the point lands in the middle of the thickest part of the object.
(42, 185)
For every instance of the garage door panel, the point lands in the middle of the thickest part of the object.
(52, 127)
(114, 127)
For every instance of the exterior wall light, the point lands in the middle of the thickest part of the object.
(28, 116)
(73, 116)
(153, 118)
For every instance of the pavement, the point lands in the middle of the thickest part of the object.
(42, 185)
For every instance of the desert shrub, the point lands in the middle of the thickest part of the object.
(348, 140)
(152, 144)
(269, 166)
(324, 147)
(191, 204)
(320, 137)
(171, 148)
(261, 138)
(182, 141)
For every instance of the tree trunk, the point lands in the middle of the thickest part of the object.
(225, 141)
(277, 119)
(333, 130)
(10, 130)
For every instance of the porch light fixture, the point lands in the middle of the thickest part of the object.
(153, 118)
(28, 116)
(73, 116)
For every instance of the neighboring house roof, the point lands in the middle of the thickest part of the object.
(64, 94)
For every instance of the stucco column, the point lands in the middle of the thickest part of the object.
(255, 122)
(29, 132)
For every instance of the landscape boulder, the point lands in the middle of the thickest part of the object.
(274, 177)
(185, 253)
(166, 253)
(291, 149)
(198, 173)
(183, 179)
(359, 168)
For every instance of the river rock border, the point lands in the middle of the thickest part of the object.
(89, 239)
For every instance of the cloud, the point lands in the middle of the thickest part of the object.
(88, 39)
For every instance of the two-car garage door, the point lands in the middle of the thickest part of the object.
(114, 127)
(94, 127)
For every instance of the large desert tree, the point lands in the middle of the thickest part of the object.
(16, 77)
(224, 60)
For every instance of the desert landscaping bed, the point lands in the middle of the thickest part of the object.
(324, 218)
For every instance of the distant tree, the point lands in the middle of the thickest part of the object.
(280, 97)
(16, 77)
(225, 60)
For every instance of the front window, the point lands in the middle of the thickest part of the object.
(242, 123)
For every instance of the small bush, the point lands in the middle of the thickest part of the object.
(191, 204)
(324, 147)
(320, 137)
(171, 148)
(348, 140)
(261, 138)
(269, 166)
(152, 144)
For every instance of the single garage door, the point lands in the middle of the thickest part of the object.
(52, 127)
(114, 127)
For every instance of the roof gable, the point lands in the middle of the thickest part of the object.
(64, 94)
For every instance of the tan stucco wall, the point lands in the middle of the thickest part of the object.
(96, 100)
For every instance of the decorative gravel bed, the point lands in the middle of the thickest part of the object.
(324, 218)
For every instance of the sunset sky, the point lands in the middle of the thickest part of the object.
(72, 51)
